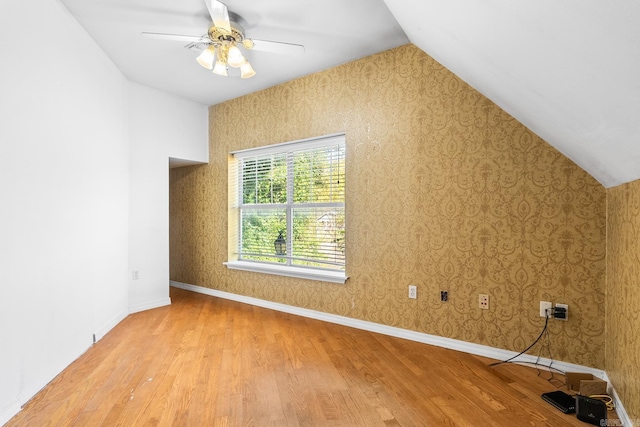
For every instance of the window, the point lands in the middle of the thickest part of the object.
(287, 210)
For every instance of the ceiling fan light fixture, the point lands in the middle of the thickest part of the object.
(220, 68)
(222, 42)
(236, 59)
(206, 57)
(246, 70)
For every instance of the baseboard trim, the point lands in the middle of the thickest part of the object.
(622, 413)
(104, 330)
(149, 305)
(9, 411)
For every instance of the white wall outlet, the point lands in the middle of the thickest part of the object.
(566, 312)
(413, 291)
(544, 305)
(135, 274)
(483, 301)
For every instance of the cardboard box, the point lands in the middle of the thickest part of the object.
(585, 384)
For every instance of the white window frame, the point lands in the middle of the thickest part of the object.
(235, 192)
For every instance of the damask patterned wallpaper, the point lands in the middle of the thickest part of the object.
(444, 190)
(623, 294)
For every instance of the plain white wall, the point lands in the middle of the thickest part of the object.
(77, 143)
(64, 184)
(162, 126)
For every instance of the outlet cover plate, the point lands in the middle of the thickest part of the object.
(483, 301)
(544, 305)
(413, 291)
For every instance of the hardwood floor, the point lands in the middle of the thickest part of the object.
(207, 361)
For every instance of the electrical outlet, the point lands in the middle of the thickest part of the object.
(566, 312)
(135, 274)
(444, 296)
(483, 301)
(413, 291)
(544, 305)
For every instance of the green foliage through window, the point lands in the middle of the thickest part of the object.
(298, 191)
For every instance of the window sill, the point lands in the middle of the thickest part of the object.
(300, 273)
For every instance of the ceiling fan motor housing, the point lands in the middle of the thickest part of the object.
(222, 35)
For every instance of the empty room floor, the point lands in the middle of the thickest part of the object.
(209, 361)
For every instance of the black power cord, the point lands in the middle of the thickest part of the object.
(552, 379)
(546, 323)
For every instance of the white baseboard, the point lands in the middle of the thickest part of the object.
(149, 305)
(622, 413)
(9, 411)
(453, 344)
(100, 333)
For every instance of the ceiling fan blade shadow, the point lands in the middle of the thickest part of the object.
(219, 14)
(173, 37)
(278, 47)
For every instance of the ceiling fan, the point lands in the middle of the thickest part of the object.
(220, 47)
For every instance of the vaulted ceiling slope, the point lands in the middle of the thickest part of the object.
(569, 70)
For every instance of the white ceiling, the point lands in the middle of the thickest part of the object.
(332, 31)
(569, 70)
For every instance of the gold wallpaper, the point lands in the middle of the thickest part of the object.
(444, 190)
(623, 294)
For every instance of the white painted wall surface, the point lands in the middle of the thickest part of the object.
(162, 126)
(64, 184)
(77, 143)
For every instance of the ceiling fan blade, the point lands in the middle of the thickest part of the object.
(278, 47)
(172, 37)
(219, 14)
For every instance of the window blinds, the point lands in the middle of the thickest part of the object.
(298, 190)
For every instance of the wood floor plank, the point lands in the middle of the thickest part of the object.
(207, 361)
